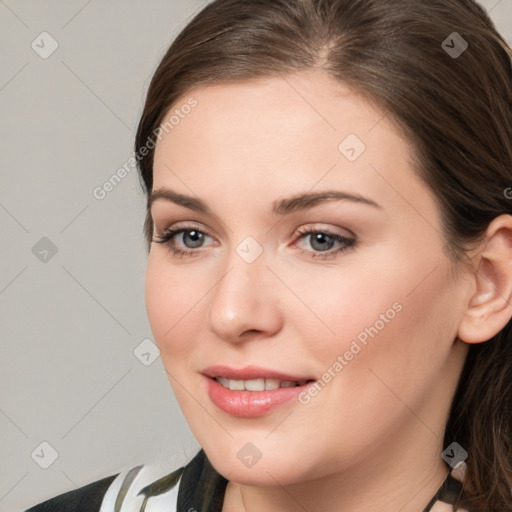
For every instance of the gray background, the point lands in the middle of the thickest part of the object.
(71, 321)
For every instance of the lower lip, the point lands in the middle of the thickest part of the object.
(251, 404)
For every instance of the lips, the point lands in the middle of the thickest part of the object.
(252, 391)
(247, 403)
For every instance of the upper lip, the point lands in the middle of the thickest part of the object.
(251, 372)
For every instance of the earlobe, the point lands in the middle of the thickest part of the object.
(490, 307)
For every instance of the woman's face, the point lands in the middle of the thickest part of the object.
(371, 317)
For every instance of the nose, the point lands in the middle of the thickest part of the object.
(244, 304)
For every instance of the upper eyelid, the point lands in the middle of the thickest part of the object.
(180, 225)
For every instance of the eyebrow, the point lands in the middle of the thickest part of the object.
(279, 207)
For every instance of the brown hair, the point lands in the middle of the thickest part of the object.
(455, 109)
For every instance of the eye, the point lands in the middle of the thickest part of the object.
(191, 238)
(322, 241)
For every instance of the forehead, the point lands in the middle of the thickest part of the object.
(286, 134)
(302, 107)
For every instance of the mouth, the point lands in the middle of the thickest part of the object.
(254, 378)
(259, 384)
(252, 391)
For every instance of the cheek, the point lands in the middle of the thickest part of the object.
(343, 304)
(171, 301)
(402, 343)
(393, 317)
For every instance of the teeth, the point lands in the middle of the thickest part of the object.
(236, 385)
(223, 381)
(271, 384)
(254, 384)
(257, 384)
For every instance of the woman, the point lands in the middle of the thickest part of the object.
(329, 277)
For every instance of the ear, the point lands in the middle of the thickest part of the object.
(490, 307)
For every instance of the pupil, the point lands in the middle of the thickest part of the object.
(195, 234)
(321, 238)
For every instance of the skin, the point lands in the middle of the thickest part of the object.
(372, 437)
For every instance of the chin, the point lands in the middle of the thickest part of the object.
(258, 475)
(266, 471)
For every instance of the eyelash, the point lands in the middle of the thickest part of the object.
(168, 236)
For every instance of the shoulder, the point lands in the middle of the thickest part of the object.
(157, 485)
(125, 491)
(84, 499)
